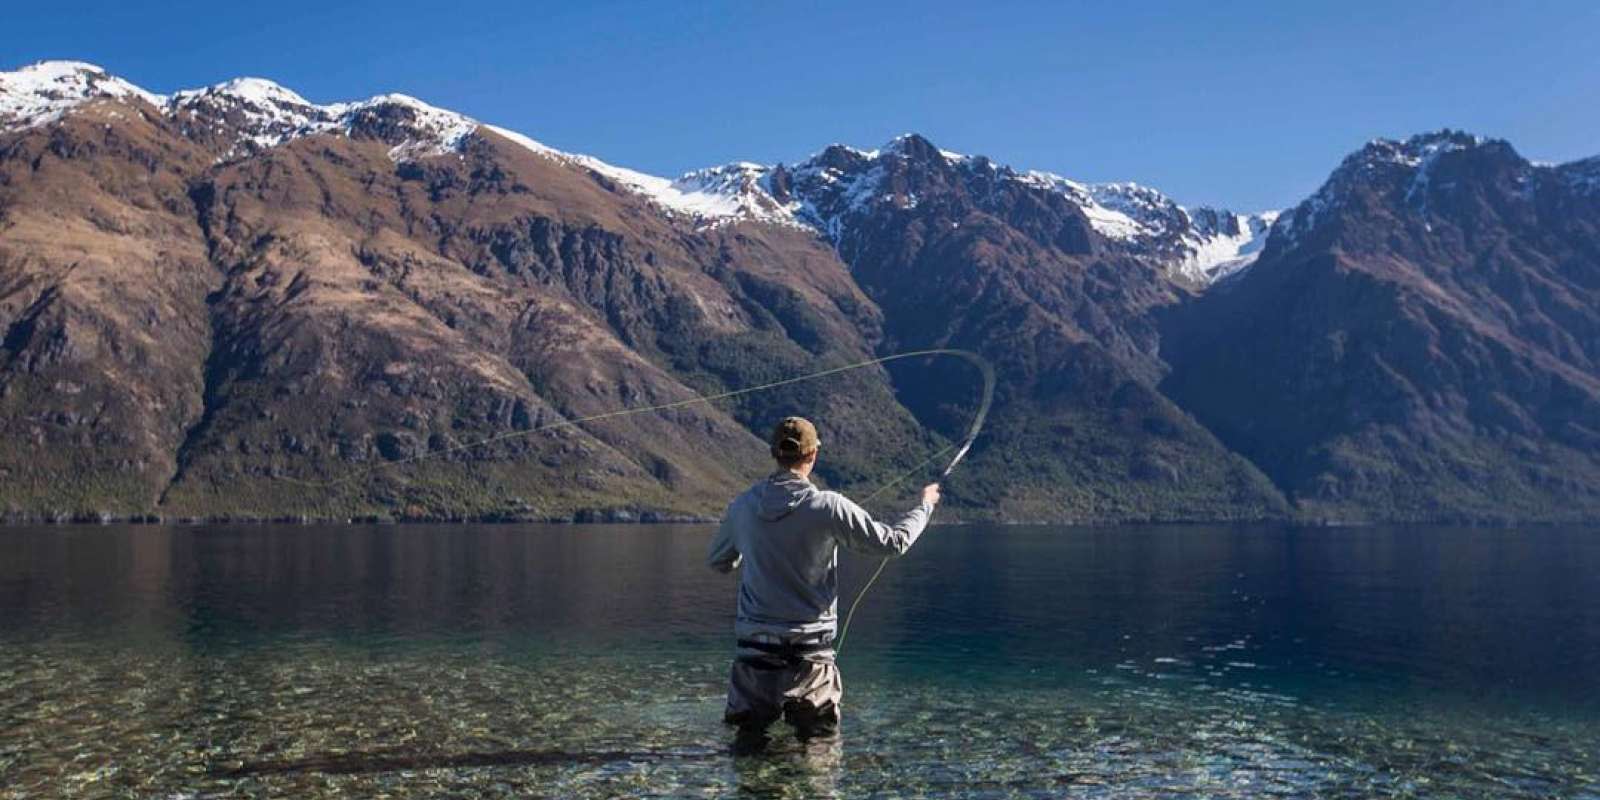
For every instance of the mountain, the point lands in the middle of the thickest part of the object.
(235, 302)
(213, 307)
(829, 191)
(1420, 339)
(960, 252)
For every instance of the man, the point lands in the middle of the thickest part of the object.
(784, 535)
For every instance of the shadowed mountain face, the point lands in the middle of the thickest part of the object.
(235, 302)
(1419, 339)
(958, 254)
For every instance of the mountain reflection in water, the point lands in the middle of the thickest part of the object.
(590, 661)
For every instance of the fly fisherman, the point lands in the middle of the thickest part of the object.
(785, 534)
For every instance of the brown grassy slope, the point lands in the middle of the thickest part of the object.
(268, 336)
(103, 280)
(352, 342)
(721, 308)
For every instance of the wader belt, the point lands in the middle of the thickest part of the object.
(778, 655)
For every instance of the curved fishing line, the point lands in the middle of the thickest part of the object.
(973, 429)
(969, 356)
(978, 419)
(838, 642)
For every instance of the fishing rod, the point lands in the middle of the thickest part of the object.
(973, 429)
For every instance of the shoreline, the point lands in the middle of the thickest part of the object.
(650, 517)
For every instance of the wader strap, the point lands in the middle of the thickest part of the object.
(786, 649)
(778, 655)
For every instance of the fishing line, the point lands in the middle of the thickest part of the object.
(973, 429)
(972, 435)
(973, 358)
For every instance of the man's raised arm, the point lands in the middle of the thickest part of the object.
(857, 531)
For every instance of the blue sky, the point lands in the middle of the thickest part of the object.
(1246, 104)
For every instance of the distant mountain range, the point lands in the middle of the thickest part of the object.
(232, 302)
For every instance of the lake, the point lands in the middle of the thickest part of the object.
(590, 661)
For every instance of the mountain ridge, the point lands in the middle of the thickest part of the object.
(257, 113)
(1429, 322)
(233, 305)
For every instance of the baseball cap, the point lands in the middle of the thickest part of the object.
(795, 437)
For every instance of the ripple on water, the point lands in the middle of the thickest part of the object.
(319, 718)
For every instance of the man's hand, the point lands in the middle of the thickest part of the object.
(930, 494)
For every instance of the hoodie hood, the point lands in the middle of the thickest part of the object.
(779, 494)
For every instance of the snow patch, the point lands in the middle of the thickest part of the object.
(258, 113)
(1218, 253)
(825, 193)
(429, 130)
(1421, 157)
(1110, 220)
(1380, 161)
(714, 196)
(1202, 245)
(262, 113)
(258, 92)
(898, 146)
(41, 93)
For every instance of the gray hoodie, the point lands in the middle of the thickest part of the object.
(784, 534)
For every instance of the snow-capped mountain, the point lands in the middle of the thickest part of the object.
(829, 192)
(826, 193)
(247, 114)
(1408, 170)
(203, 291)
(709, 197)
(1201, 244)
(256, 113)
(42, 92)
(1430, 311)
(841, 185)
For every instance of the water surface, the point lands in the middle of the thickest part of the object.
(992, 662)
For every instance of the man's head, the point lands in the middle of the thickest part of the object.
(795, 443)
